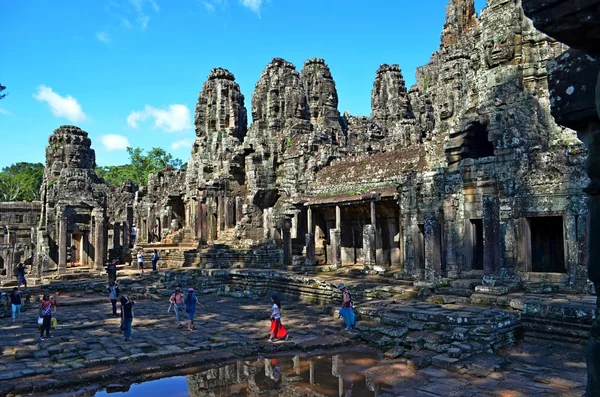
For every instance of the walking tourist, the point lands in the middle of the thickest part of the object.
(177, 303)
(140, 260)
(155, 258)
(16, 299)
(133, 235)
(111, 269)
(21, 275)
(113, 294)
(191, 301)
(46, 315)
(278, 331)
(347, 311)
(126, 316)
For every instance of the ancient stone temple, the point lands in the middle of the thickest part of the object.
(72, 225)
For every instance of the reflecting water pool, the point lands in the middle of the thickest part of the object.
(332, 374)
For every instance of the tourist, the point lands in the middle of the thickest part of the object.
(16, 300)
(126, 316)
(73, 255)
(156, 232)
(111, 269)
(113, 289)
(177, 303)
(346, 311)
(46, 315)
(155, 259)
(277, 329)
(133, 235)
(190, 307)
(21, 275)
(140, 260)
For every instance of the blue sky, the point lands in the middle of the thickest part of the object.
(129, 71)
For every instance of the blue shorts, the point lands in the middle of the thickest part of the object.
(191, 314)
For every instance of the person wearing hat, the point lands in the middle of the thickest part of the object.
(346, 310)
(190, 307)
(177, 302)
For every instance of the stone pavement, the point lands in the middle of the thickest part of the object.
(88, 348)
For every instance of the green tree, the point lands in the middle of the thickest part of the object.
(2, 88)
(140, 166)
(21, 182)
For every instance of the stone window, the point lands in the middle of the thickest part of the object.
(544, 239)
(19, 218)
(470, 143)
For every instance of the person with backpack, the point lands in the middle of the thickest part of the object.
(347, 311)
(113, 294)
(277, 331)
(177, 303)
(46, 315)
(155, 259)
(16, 300)
(191, 301)
(126, 316)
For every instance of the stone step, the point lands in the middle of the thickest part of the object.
(464, 292)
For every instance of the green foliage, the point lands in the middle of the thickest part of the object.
(288, 143)
(2, 88)
(140, 166)
(21, 182)
(425, 84)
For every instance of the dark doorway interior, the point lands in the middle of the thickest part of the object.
(420, 246)
(477, 143)
(547, 245)
(477, 236)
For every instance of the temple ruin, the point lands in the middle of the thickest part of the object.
(464, 175)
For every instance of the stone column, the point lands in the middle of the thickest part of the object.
(239, 209)
(373, 214)
(229, 212)
(310, 249)
(116, 235)
(433, 245)
(202, 219)
(311, 371)
(84, 249)
(335, 236)
(126, 233)
(593, 344)
(369, 252)
(287, 243)
(338, 217)
(310, 239)
(99, 243)
(492, 255)
(62, 242)
(221, 213)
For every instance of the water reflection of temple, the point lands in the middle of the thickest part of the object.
(316, 376)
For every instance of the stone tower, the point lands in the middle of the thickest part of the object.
(73, 202)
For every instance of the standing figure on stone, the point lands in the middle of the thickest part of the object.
(133, 235)
(177, 303)
(191, 301)
(155, 258)
(16, 300)
(140, 260)
(126, 316)
(111, 269)
(347, 311)
(113, 294)
(46, 315)
(277, 331)
(21, 275)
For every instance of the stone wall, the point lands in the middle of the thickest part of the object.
(18, 233)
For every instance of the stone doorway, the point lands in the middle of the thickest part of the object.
(178, 209)
(420, 248)
(476, 241)
(547, 244)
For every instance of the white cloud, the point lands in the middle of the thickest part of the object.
(182, 144)
(253, 5)
(5, 112)
(174, 118)
(142, 17)
(103, 37)
(66, 107)
(126, 23)
(114, 142)
(212, 5)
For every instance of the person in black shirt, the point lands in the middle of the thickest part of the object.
(126, 316)
(16, 299)
(21, 275)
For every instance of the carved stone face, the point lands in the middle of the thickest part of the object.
(76, 157)
(447, 104)
(500, 50)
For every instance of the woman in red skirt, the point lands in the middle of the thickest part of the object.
(277, 329)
